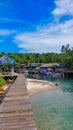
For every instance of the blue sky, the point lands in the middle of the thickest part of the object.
(38, 26)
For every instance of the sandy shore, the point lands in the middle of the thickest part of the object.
(35, 86)
(3, 89)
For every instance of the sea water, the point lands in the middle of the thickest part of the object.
(53, 109)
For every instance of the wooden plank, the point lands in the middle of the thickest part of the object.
(16, 110)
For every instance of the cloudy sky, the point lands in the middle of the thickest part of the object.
(35, 25)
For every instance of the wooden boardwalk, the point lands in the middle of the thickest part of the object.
(15, 110)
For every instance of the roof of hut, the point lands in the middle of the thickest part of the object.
(6, 60)
(49, 64)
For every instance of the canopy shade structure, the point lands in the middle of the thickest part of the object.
(6, 60)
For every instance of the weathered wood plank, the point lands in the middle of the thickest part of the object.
(16, 110)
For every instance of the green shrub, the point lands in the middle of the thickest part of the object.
(2, 82)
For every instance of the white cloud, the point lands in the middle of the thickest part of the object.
(4, 32)
(46, 39)
(50, 38)
(63, 7)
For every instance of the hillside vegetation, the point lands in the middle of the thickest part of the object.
(65, 57)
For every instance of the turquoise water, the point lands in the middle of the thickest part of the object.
(53, 109)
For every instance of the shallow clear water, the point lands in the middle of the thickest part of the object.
(53, 109)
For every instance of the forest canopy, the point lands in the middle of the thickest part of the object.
(65, 57)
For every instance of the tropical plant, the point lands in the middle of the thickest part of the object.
(2, 82)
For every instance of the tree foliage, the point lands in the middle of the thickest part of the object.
(65, 57)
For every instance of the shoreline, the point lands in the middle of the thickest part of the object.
(2, 92)
(35, 86)
(3, 89)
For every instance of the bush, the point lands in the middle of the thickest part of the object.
(2, 82)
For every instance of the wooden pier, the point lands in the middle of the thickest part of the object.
(16, 110)
(67, 74)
